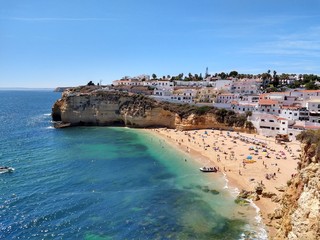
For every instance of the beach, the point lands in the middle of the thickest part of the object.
(247, 160)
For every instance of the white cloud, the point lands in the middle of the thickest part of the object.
(305, 44)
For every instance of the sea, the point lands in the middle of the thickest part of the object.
(98, 183)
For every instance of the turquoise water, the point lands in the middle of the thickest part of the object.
(103, 183)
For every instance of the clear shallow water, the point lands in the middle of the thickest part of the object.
(103, 183)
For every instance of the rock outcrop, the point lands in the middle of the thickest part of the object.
(299, 214)
(79, 106)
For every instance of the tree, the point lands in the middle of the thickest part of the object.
(223, 75)
(154, 76)
(311, 86)
(233, 74)
(90, 83)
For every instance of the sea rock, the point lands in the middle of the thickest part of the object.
(254, 197)
(268, 194)
(275, 199)
(281, 188)
(277, 214)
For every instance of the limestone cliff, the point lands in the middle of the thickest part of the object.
(98, 107)
(299, 214)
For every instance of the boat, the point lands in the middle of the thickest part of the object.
(208, 169)
(4, 169)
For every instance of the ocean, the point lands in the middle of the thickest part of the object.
(106, 183)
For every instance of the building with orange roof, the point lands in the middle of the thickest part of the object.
(269, 106)
(306, 94)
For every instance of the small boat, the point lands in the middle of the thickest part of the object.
(208, 169)
(4, 169)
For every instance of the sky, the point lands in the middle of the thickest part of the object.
(46, 44)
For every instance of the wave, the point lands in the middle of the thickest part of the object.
(260, 232)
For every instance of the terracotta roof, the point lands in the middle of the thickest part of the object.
(291, 107)
(312, 127)
(280, 93)
(267, 102)
(234, 102)
(280, 118)
(309, 91)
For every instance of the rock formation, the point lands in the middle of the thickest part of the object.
(98, 107)
(299, 214)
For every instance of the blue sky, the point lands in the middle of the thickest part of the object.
(70, 42)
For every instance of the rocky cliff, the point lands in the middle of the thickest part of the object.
(99, 107)
(299, 214)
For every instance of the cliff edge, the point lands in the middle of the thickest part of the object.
(299, 214)
(98, 107)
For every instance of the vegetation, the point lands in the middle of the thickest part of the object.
(309, 137)
(90, 83)
(312, 139)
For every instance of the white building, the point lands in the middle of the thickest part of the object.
(226, 98)
(313, 107)
(246, 86)
(194, 83)
(306, 94)
(270, 125)
(269, 106)
(243, 107)
(290, 112)
(224, 85)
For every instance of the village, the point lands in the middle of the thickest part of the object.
(285, 112)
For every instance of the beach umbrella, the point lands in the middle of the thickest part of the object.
(249, 157)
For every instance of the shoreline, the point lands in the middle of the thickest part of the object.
(227, 151)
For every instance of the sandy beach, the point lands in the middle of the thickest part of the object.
(246, 159)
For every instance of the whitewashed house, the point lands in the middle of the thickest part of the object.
(313, 107)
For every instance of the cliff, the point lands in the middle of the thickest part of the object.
(299, 214)
(99, 107)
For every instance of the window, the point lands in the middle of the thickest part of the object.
(262, 120)
(295, 114)
(277, 128)
(283, 123)
(271, 120)
(283, 129)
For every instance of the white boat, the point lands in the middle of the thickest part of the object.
(208, 169)
(4, 169)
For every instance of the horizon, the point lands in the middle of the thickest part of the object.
(56, 44)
